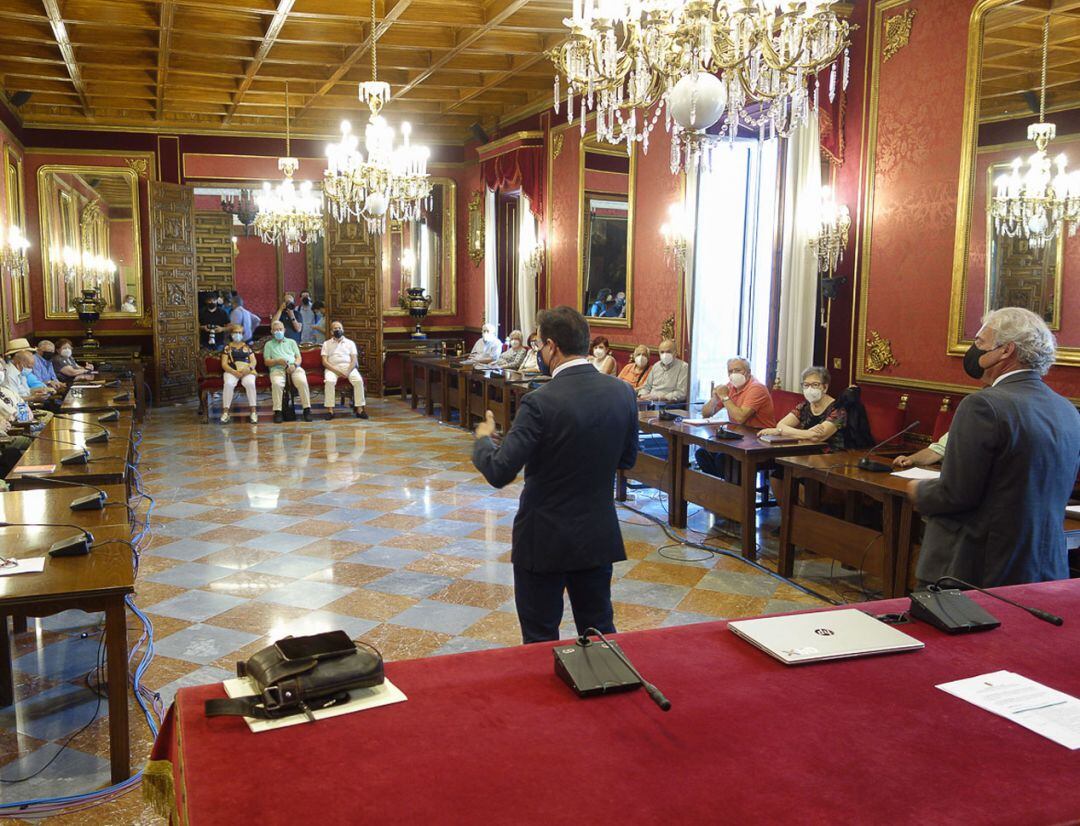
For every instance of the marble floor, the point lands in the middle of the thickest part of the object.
(382, 528)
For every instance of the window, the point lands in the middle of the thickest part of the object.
(733, 261)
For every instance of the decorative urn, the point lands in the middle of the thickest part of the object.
(417, 304)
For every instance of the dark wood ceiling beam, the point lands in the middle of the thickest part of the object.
(168, 13)
(60, 34)
(272, 31)
(494, 81)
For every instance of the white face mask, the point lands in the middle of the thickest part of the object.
(488, 335)
(813, 394)
(515, 344)
(66, 352)
(737, 379)
(641, 361)
(667, 358)
(599, 352)
(237, 336)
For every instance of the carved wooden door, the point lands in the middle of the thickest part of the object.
(354, 287)
(172, 256)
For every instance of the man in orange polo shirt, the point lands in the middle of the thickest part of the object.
(746, 400)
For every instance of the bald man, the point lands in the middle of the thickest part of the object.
(669, 379)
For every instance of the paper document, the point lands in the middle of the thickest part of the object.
(699, 422)
(35, 469)
(30, 565)
(1072, 510)
(361, 700)
(85, 386)
(1046, 711)
(917, 473)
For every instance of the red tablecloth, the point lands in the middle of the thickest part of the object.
(495, 738)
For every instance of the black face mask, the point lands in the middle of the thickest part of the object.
(543, 366)
(339, 333)
(305, 301)
(971, 361)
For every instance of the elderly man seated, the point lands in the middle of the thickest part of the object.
(11, 447)
(43, 366)
(282, 357)
(341, 360)
(19, 372)
(515, 354)
(487, 347)
(745, 400)
(669, 378)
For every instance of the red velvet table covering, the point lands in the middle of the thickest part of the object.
(495, 737)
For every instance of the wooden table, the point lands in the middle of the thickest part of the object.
(842, 538)
(108, 464)
(652, 471)
(88, 424)
(98, 399)
(98, 581)
(737, 502)
(427, 382)
(53, 504)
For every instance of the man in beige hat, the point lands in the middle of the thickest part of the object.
(18, 370)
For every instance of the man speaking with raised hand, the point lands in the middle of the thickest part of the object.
(570, 436)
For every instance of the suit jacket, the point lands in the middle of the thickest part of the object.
(996, 514)
(570, 436)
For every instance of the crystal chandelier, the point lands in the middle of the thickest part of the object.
(387, 181)
(1035, 203)
(832, 235)
(286, 213)
(751, 62)
(13, 247)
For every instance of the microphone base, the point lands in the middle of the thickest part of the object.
(80, 457)
(874, 467)
(951, 611)
(77, 545)
(93, 502)
(121, 397)
(593, 669)
(97, 438)
(111, 416)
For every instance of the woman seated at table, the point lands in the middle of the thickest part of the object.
(818, 419)
(67, 369)
(600, 356)
(637, 369)
(515, 353)
(238, 366)
(529, 363)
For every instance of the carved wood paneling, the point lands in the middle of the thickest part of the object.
(172, 255)
(354, 284)
(215, 267)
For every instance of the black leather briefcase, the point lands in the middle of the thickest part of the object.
(298, 675)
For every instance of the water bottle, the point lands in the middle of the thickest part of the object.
(23, 413)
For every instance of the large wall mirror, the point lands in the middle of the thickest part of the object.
(90, 238)
(229, 255)
(606, 233)
(423, 254)
(994, 268)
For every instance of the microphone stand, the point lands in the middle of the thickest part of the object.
(866, 463)
(1045, 616)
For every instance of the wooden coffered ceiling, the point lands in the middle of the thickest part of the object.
(1012, 55)
(221, 65)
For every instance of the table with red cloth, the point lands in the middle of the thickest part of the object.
(494, 737)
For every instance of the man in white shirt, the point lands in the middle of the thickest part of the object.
(669, 379)
(340, 360)
(488, 347)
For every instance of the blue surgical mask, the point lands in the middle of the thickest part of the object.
(279, 334)
(26, 371)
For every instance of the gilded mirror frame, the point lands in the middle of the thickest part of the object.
(477, 241)
(957, 343)
(589, 143)
(449, 252)
(44, 211)
(16, 212)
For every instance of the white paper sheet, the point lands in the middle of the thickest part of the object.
(699, 422)
(1073, 510)
(1043, 710)
(30, 565)
(362, 700)
(917, 473)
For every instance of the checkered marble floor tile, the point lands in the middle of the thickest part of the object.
(382, 528)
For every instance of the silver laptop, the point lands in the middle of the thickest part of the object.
(824, 635)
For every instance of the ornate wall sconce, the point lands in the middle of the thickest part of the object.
(676, 233)
(828, 245)
(533, 259)
(13, 247)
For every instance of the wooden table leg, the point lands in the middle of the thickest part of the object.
(18, 621)
(117, 659)
(785, 565)
(406, 378)
(889, 519)
(904, 537)
(7, 679)
(620, 486)
(749, 507)
(415, 400)
(678, 464)
(463, 401)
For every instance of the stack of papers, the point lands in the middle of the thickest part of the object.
(917, 473)
(1046, 711)
(36, 469)
(1072, 510)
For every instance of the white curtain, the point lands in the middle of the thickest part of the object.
(798, 269)
(491, 264)
(527, 268)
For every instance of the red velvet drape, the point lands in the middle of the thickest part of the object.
(522, 167)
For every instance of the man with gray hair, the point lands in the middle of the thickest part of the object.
(995, 515)
(487, 347)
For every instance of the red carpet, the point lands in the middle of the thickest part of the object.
(494, 737)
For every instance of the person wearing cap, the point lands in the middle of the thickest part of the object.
(18, 370)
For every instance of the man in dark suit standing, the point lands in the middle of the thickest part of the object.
(570, 436)
(995, 515)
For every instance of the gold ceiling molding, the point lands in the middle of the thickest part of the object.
(140, 166)
(557, 145)
(879, 354)
(897, 33)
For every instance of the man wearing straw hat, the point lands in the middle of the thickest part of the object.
(18, 369)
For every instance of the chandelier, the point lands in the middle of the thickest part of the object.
(751, 62)
(286, 213)
(1035, 203)
(13, 247)
(832, 235)
(388, 181)
(242, 206)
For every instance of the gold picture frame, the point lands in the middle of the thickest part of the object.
(477, 240)
(16, 211)
(448, 255)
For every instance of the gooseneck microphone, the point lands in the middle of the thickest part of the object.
(103, 436)
(70, 546)
(654, 693)
(93, 502)
(866, 463)
(1045, 616)
(81, 457)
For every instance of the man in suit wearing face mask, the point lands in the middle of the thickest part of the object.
(669, 379)
(566, 532)
(994, 516)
